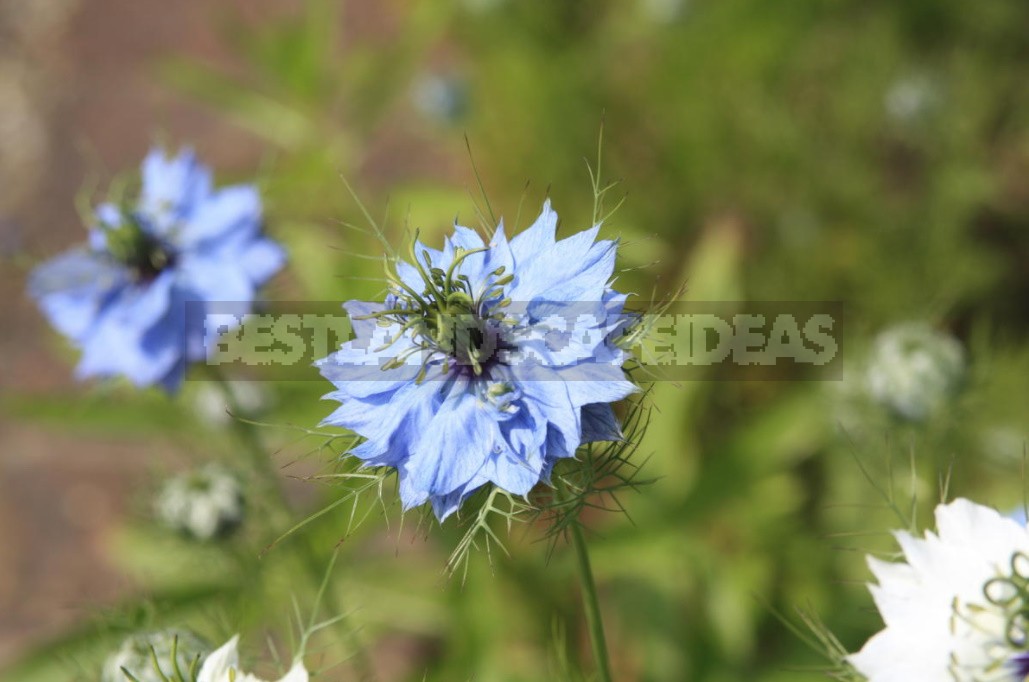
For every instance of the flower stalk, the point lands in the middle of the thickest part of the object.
(262, 465)
(590, 602)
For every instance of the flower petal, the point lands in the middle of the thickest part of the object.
(454, 446)
(218, 663)
(139, 334)
(73, 288)
(537, 238)
(297, 673)
(231, 212)
(599, 423)
(172, 186)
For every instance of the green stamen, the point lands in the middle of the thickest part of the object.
(1011, 593)
(130, 244)
(446, 317)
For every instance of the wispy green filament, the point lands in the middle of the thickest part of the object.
(1011, 593)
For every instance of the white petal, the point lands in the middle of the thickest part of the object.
(298, 673)
(216, 667)
(925, 638)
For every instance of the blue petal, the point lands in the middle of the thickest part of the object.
(228, 212)
(392, 447)
(72, 288)
(472, 266)
(465, 238)
(454, 446)
(262, 259)
(595, 383)
(409, 274)
(198, 343)
(172, 380)
(445, 505)
(356, 310)
(138, 307)
(557, 333)
(574, 269)
(556, 448)
(377, 417)
(500, 253)
(545, 388)
(215, 279)
(515, 469)
(527, 431)
(537, 238)
(364, 381)
(172, 186)
(139, 335)
(412, 493)
(358, 367)
(107, 216)
(599, 423)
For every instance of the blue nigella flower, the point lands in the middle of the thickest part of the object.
(122, 297)
(486, 363)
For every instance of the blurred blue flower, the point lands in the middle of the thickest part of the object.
(486, 363)
(443, 98)
(122, 297)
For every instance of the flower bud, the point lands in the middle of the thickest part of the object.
(914, 370)
(203, 504)
(139, 652)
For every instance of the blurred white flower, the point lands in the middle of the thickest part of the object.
(203, 504)
(137, 654)
(223, 666)
(914, 369)
(910, 98)
(211, 406)
(954, 608)
(664, 11)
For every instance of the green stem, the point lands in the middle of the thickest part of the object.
(590, 602)
(263, 465)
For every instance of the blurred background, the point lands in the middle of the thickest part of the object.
(871, 152)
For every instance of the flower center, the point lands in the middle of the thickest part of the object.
(459, 332)
(448, 318)
(142, 253)
(1010, 593)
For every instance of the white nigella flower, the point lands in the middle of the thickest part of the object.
(223, 666)
(911, 98)
(138, 652)
(664, 11)
(202, 504)
(913, 369)
(956, 608)
(211, 406)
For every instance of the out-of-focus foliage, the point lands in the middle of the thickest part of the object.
(868, 152)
